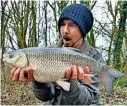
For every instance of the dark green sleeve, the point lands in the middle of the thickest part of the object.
(43, 91)
(81, 93)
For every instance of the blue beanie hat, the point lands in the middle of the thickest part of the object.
(80, 14)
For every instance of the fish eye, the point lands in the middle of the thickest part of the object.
(11, 56)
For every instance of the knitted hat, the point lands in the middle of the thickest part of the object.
(80, 14)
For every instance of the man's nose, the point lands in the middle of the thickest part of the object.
(66, 29)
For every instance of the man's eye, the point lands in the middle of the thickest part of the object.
(62, 24)
(72, 25)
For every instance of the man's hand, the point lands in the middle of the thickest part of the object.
(22, 74)
(79, 73)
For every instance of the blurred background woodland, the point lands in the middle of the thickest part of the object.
(32, 23)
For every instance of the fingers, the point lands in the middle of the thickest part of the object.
(79, 73)
(16, 74)
(87, 76)
(71, 72)
(22, 74)
(30, 74)
(12, 72)
(87, 79)
(86, 70)
(68, 73)
(74, 72)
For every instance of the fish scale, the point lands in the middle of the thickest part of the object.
(50, 64)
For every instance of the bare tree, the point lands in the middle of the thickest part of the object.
(114, 14)
(33, 36)
(4, 22)
(90, 36)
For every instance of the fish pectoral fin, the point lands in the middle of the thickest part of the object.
(64, 84)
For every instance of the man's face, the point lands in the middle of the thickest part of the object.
(71, 34)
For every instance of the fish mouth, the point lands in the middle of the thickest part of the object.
(66, 38)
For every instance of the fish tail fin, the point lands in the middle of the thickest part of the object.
(109, 75)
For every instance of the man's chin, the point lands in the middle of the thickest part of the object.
(67, 45)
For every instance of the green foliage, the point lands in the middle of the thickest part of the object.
(85, 2)
(120, 83)
(124, 7)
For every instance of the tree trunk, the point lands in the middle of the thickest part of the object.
(4, 22)
(33, 37)
(120, 36)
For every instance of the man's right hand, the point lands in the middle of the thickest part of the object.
(79, 73)
(22, 74)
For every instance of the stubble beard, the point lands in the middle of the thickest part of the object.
(68, 45)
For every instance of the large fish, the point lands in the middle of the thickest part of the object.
(50, 64)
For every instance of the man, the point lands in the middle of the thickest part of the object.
(74, 23)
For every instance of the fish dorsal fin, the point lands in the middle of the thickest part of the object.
(73, 49)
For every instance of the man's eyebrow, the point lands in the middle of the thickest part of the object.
(71, 22)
